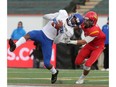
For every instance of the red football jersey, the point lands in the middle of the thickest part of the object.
(96, 32)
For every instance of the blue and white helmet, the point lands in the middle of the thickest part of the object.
(79, 19)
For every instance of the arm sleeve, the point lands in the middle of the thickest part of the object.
(50, 16)
(103, 28)
(63, 15)
(23, 32)
(63, 34)
(89, 39)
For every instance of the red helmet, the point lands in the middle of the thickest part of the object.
(91, 15)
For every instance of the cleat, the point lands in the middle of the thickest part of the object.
(80, 81)
(103, 69)
(107, 69)
(54, 77)
(12, 45)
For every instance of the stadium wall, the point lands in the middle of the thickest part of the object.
(29, 23)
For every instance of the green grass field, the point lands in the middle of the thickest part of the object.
(19, 76)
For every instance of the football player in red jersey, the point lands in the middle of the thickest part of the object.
(94, 44)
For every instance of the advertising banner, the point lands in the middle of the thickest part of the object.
(20, 57)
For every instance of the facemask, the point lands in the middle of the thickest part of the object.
(69, 21)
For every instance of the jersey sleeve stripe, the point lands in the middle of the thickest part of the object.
(94, 32)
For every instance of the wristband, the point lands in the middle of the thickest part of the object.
(73, 42)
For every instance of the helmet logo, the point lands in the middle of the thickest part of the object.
(77, 19)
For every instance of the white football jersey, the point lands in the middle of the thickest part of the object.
(65, 36)
(51, 32)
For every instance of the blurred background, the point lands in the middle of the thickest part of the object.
(30, 13)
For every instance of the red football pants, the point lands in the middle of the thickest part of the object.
(89, 52)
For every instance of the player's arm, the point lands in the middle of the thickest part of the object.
(50, 16)
(57, 15)
(82, 42)
(86, 40)
(60, 19)
(77, 42)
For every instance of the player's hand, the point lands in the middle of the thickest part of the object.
(57, 25)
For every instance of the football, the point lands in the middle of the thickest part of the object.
(57, 25)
